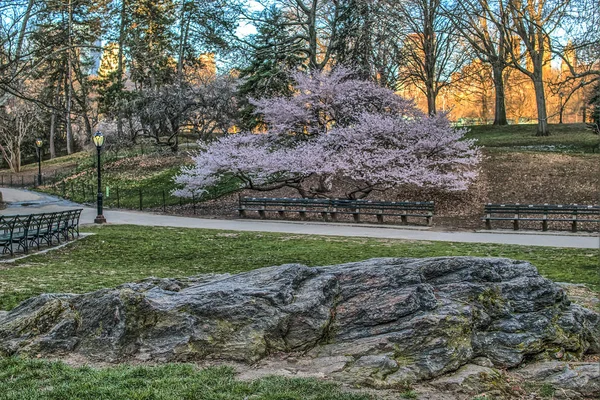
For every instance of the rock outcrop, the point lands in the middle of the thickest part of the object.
(381, 322)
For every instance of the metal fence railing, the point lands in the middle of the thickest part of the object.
(133, 198)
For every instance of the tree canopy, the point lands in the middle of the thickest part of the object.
(337, 128)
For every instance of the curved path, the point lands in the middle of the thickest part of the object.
(23, 201)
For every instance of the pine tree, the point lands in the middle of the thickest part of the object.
(275, 53)
(150, 42)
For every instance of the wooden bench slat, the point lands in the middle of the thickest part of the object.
(333, 207)
(545, 213)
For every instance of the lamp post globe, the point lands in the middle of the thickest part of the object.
(98, 140)
(38, 148)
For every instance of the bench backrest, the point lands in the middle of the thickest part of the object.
(369, 205)
(424, 206)
(6, 227)
(16, 226)
(542, 209)
(36, 222)
(282, 202)
(21, 226)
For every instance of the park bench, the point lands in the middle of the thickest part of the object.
(334, 207)
(543, 213)
(21, 232)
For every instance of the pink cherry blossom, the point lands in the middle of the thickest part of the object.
(336, 126)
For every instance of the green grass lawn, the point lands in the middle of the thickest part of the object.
(563, 137)
(35, 379)
(119, 254)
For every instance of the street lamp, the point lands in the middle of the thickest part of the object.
(38, 148)
(98, 139)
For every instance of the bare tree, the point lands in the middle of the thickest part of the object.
(18, 120)
(481, 23)
(205, 109)
(215, 107)
(579, 50)
(531, 26)
(431, 50)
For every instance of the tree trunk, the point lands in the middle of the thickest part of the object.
(312, 36)
(68, 101)
(183, 32)
(87, 123)
(53, 120)
(69, 89)
(500, 107)
(540, 99)
(52, 135)
(560, 115)
(120, 68)
(431, 107)
(21, 37)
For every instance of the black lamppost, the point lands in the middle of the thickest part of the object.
(98, 139)
(38, 147)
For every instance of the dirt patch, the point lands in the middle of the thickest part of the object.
(145, 165)
(543, 178)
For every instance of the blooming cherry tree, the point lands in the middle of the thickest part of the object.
(338, 129)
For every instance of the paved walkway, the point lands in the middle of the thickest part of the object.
(23, 201)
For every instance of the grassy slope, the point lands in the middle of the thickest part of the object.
(563, 137)
(119, 254)
(152, 174)
(35, 379)
(129, 171)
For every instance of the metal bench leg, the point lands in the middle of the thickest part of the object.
(574, 226)
(516, 224)
(488, 224)
(324, 215)
(302, 215)
(242, 213)
(380, 218)
(261, 213)
(333, 216)
(356, 217)
(281, 214)
(429, 219)
(404, 219)
(544, 225)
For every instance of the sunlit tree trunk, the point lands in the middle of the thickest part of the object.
(431, 101)
(500, 103)
(540, 100)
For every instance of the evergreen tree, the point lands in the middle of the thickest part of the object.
(64, 41)
(274, 54)
(150, 42)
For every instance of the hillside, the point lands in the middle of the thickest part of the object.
(518, 167)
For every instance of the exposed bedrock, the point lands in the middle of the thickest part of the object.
(390, 320)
